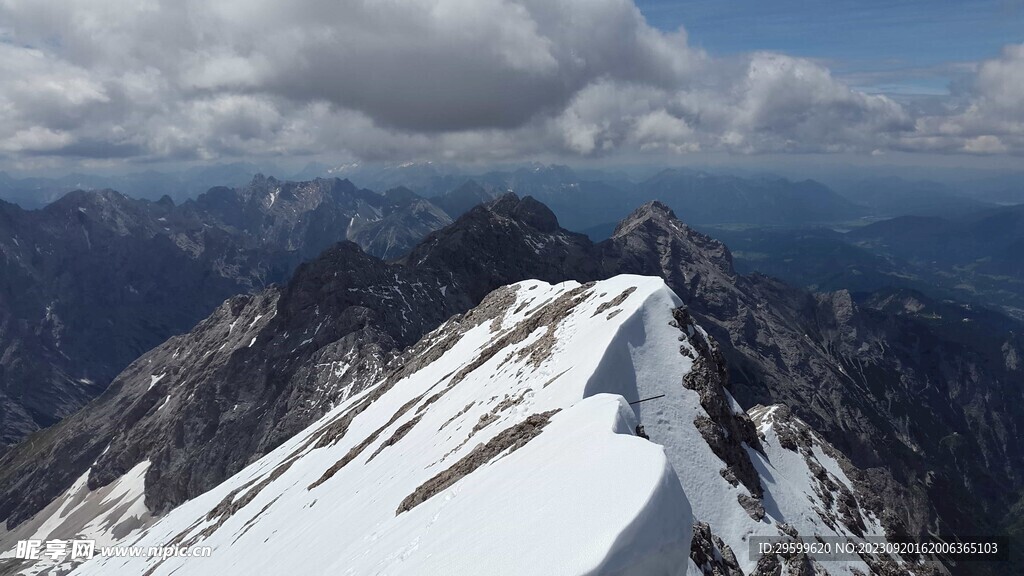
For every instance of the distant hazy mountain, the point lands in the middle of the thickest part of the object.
(36, 192)
(891, 196)
(1005, 196)
(977, 254)
(307, 217)
(819, 259)
(713, 199)
(971, 256)
(590, 200)
(1006, 188)
(579, 202)
(404, 220)
(427, 179)
(593, 201)
(95, 279)
(992, 240)
(462, 199)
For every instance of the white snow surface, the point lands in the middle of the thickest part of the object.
(585, 496)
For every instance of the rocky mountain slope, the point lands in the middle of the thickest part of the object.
(340, 318)
(90, 282)
(896, 398)
(307, 217)
(503, 441)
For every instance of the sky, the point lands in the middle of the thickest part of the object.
(914, 47)
(129, 84)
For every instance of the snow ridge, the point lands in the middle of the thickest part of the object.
(504, 442)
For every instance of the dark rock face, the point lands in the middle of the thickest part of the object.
(711, 554)
(95, 279)
(88, 284)
(510, 240)
(146, 399)
(727, 431)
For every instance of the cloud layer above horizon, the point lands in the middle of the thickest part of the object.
(155, 80)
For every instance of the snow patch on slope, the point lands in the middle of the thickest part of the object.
(806, 487)
(106, 515)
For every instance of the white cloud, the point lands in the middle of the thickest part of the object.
(462, 79)
(34, 140)
(1000, 84)
(792, 104)
(764, 103)
(991, 119)
(985, 145)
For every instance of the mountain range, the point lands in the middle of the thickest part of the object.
(593, 200)
(971, 257)
(95, 279)
(31, 192)
(902, 403)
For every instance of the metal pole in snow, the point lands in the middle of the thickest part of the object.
(646, 399)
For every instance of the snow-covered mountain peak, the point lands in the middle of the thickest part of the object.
(554, 429)
(481, 448)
